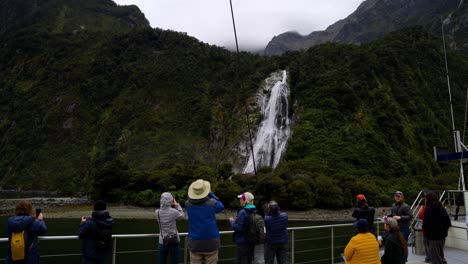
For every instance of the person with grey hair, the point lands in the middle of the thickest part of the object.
(396, 250)
(169, 241)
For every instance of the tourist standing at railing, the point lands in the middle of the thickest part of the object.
(96, 233)
(203, 236)
(276, 236)
(363, 247)
(436, 224)
(240, 225)
(396, 250)
(24, 220)
(401, 212)
(169, 240)
(426, 245)
(364, 211)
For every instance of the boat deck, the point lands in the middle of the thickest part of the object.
(452, 255)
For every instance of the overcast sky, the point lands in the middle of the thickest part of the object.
(257, 21)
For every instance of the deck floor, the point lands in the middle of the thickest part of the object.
(452, 255)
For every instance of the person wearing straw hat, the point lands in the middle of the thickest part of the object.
(203, 236)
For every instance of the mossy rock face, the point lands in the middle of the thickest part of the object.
(117, 113)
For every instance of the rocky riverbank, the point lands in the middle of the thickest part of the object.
(67, 207)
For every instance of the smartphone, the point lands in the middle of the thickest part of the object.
(38, 211)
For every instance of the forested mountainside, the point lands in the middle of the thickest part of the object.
(375, 18)
(126, 114)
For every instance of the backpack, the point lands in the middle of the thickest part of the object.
(18, 248)
(103, 238)
(256, 229)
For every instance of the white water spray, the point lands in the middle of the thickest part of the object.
(274, 130)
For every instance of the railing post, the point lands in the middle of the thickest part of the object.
(332, 245)
(292, 246)
(114, 250)
(185, 249)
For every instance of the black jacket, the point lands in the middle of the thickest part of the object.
(436, 222)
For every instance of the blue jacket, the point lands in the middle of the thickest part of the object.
(276, 226)
(35, 228)
(89, 232)
(203, 229)
(241, 225)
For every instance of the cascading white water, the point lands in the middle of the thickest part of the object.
(274, 130)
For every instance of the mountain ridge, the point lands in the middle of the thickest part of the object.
(371, 20)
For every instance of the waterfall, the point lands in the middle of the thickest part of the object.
(274, 131)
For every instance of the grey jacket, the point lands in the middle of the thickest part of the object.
(168, 216)
(404, 211)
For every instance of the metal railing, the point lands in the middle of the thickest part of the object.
(307, 244)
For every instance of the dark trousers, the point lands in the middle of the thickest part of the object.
(244, 253)
(172, 251)
(278, 250)
(426, 249)
(436, 250)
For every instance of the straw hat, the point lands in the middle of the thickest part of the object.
(199, 189)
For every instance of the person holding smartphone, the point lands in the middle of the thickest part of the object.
(96, 233)
(34, 225)
(169, 241)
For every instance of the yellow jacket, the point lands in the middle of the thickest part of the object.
(363, 248)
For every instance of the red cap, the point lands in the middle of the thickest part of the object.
(361, 197)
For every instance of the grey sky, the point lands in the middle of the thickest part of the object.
(257, 21)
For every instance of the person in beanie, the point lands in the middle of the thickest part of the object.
(396, 250)
(364, 211)
(203, 236)
(363, 247)
(401, 212)
(240, 224)
(96, 233)
(276, 236)
(436, 224)
(35, 226)
(166, 217)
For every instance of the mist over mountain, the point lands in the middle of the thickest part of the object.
(376, 18)
(94, 100)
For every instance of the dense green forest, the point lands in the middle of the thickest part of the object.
(113, 108)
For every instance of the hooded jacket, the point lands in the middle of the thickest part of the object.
(276, 226)
(34, 228)
(203, 230)
(167, 216)
(89, 231)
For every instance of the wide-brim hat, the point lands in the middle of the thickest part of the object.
(199, 189)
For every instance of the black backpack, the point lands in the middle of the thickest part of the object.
(103, 238)
(255, 229)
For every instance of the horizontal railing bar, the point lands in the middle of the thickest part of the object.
(136, 251)
(180, 234)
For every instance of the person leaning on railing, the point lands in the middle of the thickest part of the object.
(363, 247)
